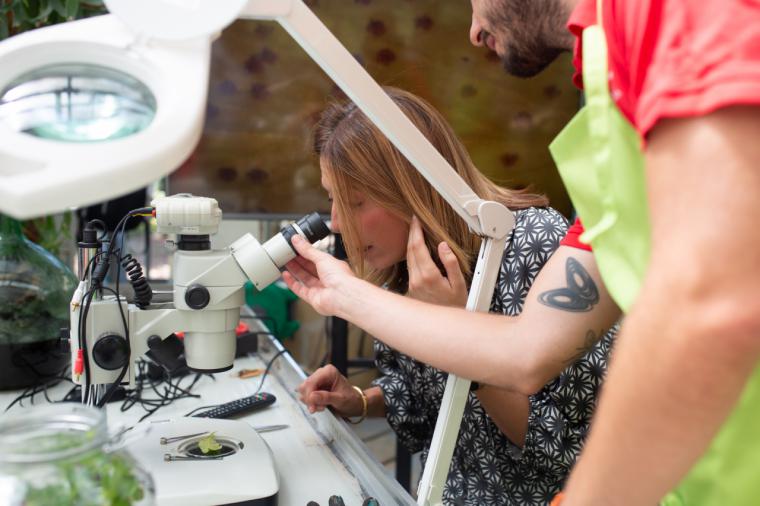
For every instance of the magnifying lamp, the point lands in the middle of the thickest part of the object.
(95, 108)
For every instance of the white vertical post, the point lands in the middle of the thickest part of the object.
(490, 220)
(430, 491)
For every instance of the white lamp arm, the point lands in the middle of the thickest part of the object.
(491, 220)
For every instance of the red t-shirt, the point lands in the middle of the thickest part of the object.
(572, 238)
(674, 58)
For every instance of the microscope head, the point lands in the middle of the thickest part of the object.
(208, 284)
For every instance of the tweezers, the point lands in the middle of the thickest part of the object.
(168, 440)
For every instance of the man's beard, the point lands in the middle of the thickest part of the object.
(520, 63)
(534, 31)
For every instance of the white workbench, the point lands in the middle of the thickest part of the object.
(317, 456)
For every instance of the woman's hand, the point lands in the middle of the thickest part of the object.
(318, 278)
(327, 388)
(425, 280)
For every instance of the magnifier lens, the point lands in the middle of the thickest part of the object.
(74, 102)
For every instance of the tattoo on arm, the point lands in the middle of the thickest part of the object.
(588, 342)
(580, 295)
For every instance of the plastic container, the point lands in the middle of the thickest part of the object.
(61, 454)
(35, 289)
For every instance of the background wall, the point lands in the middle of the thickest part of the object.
(265, 95)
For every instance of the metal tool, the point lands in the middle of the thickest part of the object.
(168, 457)
(270, 428)
(169, 440)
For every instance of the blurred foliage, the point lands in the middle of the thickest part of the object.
(17, 16)
(49, 232)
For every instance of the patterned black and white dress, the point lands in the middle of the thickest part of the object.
(487, 468)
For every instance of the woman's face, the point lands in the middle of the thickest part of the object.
(383, 235)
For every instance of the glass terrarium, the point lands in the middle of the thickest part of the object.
(35, 289)
(61, 454)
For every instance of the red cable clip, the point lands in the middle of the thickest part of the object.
(79, 363)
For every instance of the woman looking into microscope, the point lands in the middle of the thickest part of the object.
(401, 234)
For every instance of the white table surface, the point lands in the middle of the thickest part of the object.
(317, 456)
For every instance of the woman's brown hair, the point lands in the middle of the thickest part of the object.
(359, 158)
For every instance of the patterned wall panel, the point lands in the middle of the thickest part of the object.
(265, 95)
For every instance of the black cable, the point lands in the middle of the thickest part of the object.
(86, 301)
(104, 230)
(172, 391)
(100, 275)
(184, 391)
(70, 395)
(134, 273)
(262, 318)
(97, 277)
(166, 397)
(82, 336)
(328, 341)
(261, 383)
(155, 404)
(191, 412)
(32, 391)
(269, 366)
(255, 333)
(142, 210)
(89, 263)
(18, 400)
(112, 388)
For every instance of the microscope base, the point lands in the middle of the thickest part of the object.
(245, 474)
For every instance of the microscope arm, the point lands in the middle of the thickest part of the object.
(208, 294)
(152, 322)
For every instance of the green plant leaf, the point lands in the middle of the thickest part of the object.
(42, 14)
(3, 27)
(19, 14)
(92, 481)
(32, 7)
(59, 8)
(72, 6)
(209, 444)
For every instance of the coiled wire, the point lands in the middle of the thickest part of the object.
(134, 273)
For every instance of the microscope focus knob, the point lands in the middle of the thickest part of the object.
(197, 296)
(111, 352)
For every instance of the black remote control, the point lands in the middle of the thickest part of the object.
(240, 406)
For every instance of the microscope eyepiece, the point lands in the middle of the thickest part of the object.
(262, 263)
(311, 226)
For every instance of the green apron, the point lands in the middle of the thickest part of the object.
(602, 166)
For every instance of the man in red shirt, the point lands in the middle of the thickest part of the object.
(686, 75)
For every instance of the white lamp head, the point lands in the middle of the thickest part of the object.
(93, 109)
